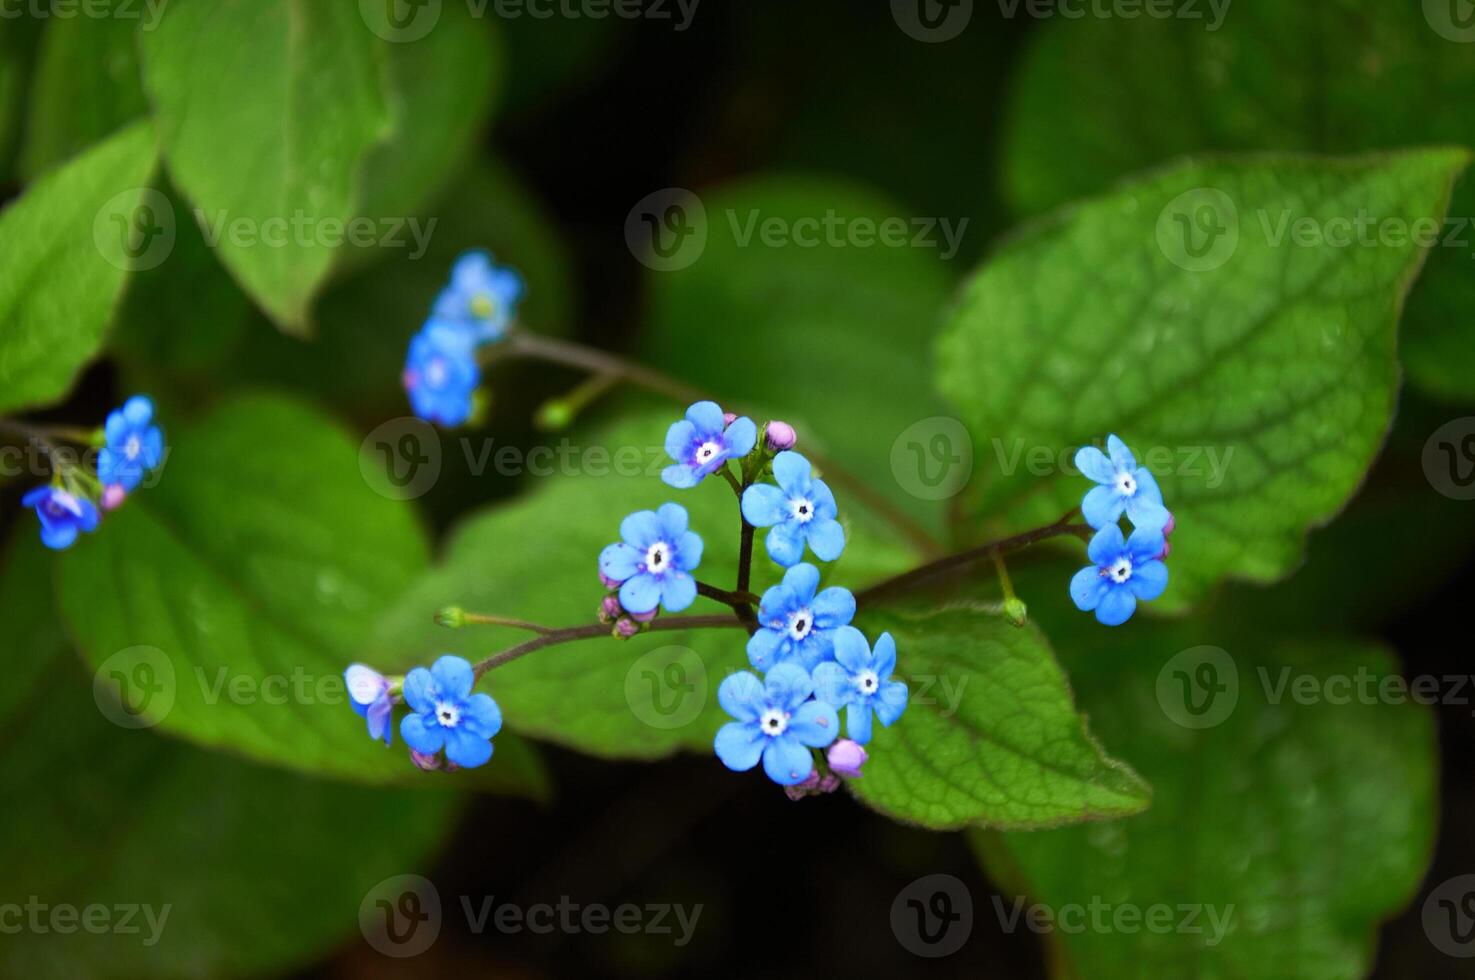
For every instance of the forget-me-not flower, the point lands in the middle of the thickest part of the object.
(134, 444)
(776, 722)
(1124, 486)
(655, 561)
(368, 693)
(797, 624)
(63, 515)
(481, 297)
(799, 510)
(860, 679)
(445, 714)
(1122, 572)
(441, 374)
(703, 442)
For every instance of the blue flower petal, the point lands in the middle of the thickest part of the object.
(791, 471)
(58, 537)
(641, 593)
(641, 529)
(890, 701)
(1087, 587)
(814, 724)
(679, 440)
(764, 648)
(673, 521)
(1116, 607)
(851, 649)
(138, 411)
(764, 505)
(785, 543)
(823, 500)
(1146, 513)
(619, 561)
(858, 721)
(1106, 546)
(833, 607)
(707, 417)
(377, 717)
(787, 686)
(802, 580)
(681, 476)
(419, 690)
(826, 538)
(1102, 506)
(787, 761)
(1145, 544)
(883, 656)
(1148, 580)
(467, 749)
(742, 696)
(741, 436)
(739, 745)
(1094, 465)
(689, 550)
(776, 605)
(678, 590)
(1147, 487)
(420, 735)
(453, 677)
(481, 715)
(1121, 456)
(833, 684)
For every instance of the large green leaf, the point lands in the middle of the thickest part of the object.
(1288, 824)
(64, 252)
(991, 736)
(1257, 381)
(1338, 76)
(537, 559)
(825, 329)
(245, 582)
(86, 83)
(266, 110)
(120, 823)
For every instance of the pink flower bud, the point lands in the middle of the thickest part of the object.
(804, 788)
(1172, 523)
(609, 609)
(427, 761)
(728, 418)
(608, 582)
(645, 617)
(113, 496)
(781, 436)
(626, 628)
(846, 758)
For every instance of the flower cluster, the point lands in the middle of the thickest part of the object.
(129, 447)
(1123, 569)
(445, 715)
(476, 308)
(814, 663)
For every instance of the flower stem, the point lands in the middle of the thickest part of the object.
(734, 599)
(595, 630)
(536, 346)
(917, 577)
(484, 619)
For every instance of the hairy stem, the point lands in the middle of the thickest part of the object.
(592, 631)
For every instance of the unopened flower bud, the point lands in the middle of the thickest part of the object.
(1016, 611)
(609, 583)
(803, 788)
(609, 609)
(1167, 530)
(554, 415)
(113, 496)
(728, 418)
(451, 617)
(829, 782)
(626, 628)
(846, 757)
(427, 761)
(780, 436)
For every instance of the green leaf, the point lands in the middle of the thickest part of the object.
(122, 817)
(1257, 81)
(266, 110)
(1254, 816)
(537, 559)
(86, 84)
(856, 316)
(991, 736)
(246, 581)
(1258, 389)
(61, 267)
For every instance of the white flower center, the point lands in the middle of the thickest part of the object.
(707, 452)
(132, 447)
(773, 722)
(1121, 570)
(435, 373)
(1126, 484)
(803, 509)
(867, 682)
(801, 623)
(447, 714)
(658, 557)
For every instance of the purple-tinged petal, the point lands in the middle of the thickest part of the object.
(679, 440)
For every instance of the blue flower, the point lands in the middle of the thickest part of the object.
(447, 715)
(63, 514)
(799, 509)
(1125, 486)
(703, 441)
(861, 680)
(441, 374)
(796, 624)
(134, 444)
(482, 297)
(1122, 573)
(368, 693)
(654, 561)
(776, 722)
